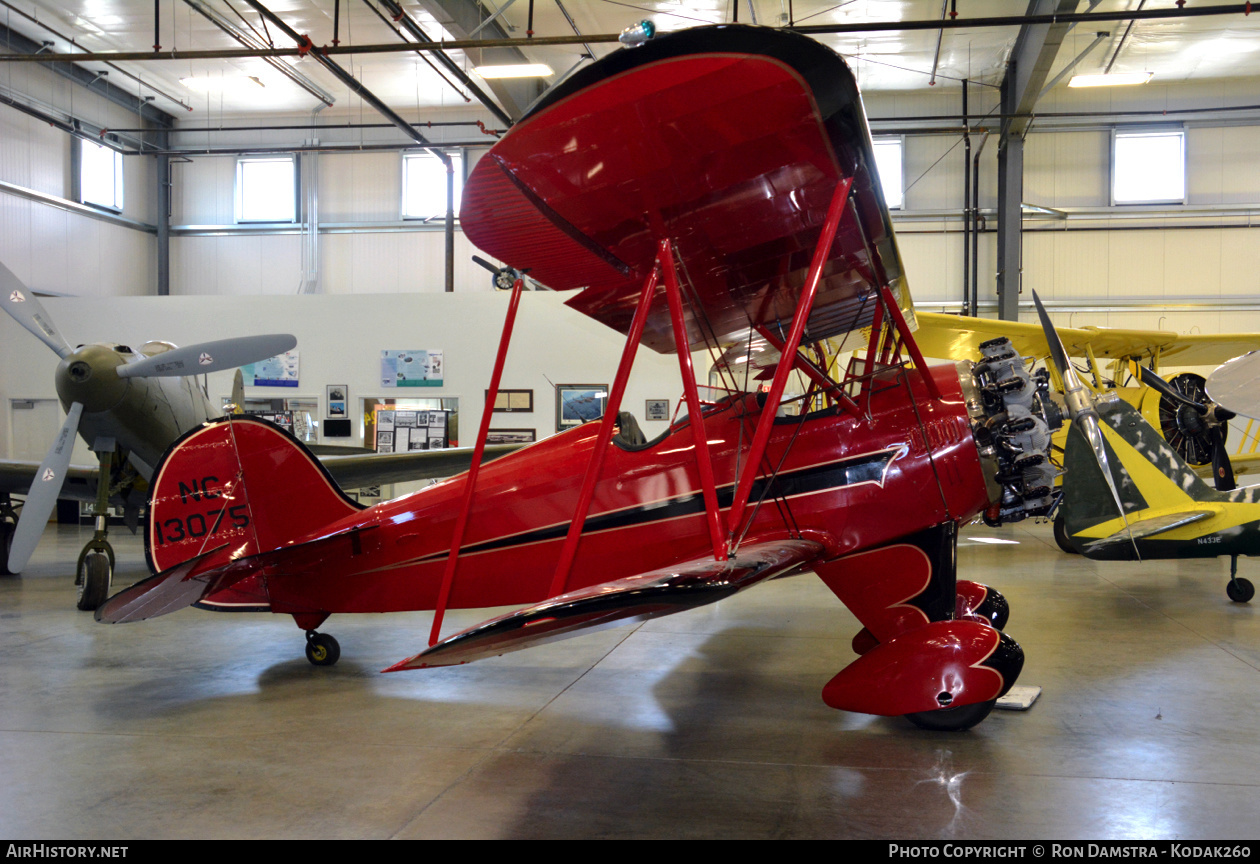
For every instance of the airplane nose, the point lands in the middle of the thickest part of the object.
(88, 376)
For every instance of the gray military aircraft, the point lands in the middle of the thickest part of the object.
(129, 406)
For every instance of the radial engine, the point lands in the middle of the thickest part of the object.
(1012, 418)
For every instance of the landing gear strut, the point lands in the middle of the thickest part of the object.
(95, 571)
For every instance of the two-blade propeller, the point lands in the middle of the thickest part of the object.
(1207, 421)
(1080, 404)
(198, 359)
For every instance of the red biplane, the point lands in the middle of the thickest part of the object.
(702, 189)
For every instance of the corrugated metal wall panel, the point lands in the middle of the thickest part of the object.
(360, 187)
(1135, 266)
(1192, 262)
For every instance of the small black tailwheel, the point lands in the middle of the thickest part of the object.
(1240, 590)
(952, 719)
(1061, 535)
(322, 649)
(95, 574)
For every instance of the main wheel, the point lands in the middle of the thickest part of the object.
(94, 578)
(322, 649)
(952, 719)
(1240, 590)
(1061, 535)
(6, 542)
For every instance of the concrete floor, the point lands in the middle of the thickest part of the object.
(704, 724)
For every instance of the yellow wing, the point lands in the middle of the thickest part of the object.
(956, 337)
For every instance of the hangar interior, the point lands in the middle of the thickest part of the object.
(703, 724)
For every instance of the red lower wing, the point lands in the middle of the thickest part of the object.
(648, 595)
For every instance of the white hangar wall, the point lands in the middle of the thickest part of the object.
(56, 248)
(1187, 267)
(1190, 268)
(340, 339)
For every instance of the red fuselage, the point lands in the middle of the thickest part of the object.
(850, 483)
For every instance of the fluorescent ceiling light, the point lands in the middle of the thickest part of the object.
(1116, 79)
(221, 83)
(524, 70)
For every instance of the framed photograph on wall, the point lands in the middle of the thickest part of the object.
(579, 403)
(512, 436)
(338, 400)
(657, 409)
(510, 401)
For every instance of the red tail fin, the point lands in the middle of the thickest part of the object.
(238, 483)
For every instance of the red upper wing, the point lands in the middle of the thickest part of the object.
(729, 141)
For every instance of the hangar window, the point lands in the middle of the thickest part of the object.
(100, 176)
(266, 189)
(1148, 167)
(889, 163)
(424, 185)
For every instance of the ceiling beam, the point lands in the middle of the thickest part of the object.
(461, 18)
(353, 83)
(413, 28)
(1239, 10)
(1026, 72)
(87, 79)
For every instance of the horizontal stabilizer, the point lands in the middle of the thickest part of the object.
(635, 598)
(183, 585)
(1149, 527)
(168, 591)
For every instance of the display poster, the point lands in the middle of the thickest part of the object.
(400, 431)
(411, 368)
(278, 371)
(283, 419)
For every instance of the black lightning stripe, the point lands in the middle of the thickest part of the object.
(869, 468)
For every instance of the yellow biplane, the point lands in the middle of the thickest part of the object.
(1127, 362)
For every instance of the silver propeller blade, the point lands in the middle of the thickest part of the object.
(1080, 403)
(207, 357)
(21, 304)
(1236, 385)
(42, 497)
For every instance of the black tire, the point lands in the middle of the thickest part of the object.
(952, 719)
(6, 543)
(322, 649)
(1061, 536)
(1240, 590)
(94, 585)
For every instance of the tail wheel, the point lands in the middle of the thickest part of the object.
(1061, 535)
(94, 577)
(952, 719)
(1240, 590)
(322, 649)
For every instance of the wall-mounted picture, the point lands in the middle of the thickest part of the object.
(278, 371)
(509, 401)
(414, 367)
(579, 403)
(657, 409)
(337, 400)
(512, 436)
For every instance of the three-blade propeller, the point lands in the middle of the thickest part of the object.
(22, 306)
(1080, 403)
(198, 359)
